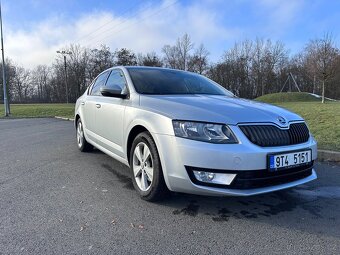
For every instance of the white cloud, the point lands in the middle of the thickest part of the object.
(282, 14)
(145, 30)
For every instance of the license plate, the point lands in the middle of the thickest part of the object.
(289, 159)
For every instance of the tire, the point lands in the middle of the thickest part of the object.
(83, 145)
(147, 173)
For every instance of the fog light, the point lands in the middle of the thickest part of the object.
(214, 178)
(204, 176)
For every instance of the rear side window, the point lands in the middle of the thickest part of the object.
(100, 81)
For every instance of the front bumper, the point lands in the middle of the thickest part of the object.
(176, 153)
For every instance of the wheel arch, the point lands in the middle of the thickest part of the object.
(136, 130)
(76, 119)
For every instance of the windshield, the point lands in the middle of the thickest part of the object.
(156, 81)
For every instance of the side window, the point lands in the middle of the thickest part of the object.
(89, 89)
(100, 81)
(116, 78)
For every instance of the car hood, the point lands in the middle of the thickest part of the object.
(218, 109)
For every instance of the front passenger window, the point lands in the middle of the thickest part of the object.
(116, 78)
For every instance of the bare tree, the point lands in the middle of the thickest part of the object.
(238, 63)
(125, 57)
(10, 73)
(40, 78)
(199, 61)
(77, 63)
(150, 59)
(304, 77)
(171, 58)
(184, 46)
(178, 56)
(252, 68)
(220, 73)
(21, 83)
(322, 58)
(99, 60)
(269, 59)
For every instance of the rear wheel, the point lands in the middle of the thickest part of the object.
(83, 145)
(145, 164)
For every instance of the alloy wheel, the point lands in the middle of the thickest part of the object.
(80, 134)
(143, 166)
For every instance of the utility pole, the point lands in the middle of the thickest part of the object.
(6, 104)
(65, 53)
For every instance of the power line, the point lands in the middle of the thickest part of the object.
(138, 21)
(100, 27)
(120, 23)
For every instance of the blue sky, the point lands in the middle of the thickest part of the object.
(34, 29)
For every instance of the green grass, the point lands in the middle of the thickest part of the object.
(322, 119)
(40, 110)
(289, 97)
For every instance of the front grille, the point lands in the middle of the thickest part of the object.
(270, 135)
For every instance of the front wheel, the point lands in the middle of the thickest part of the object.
(145, 164)
(83, 145)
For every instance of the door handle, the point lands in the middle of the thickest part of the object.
(98, 105)
(82, 103)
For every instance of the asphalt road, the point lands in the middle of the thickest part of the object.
(57, 200)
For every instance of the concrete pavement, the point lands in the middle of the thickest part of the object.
(57, 200)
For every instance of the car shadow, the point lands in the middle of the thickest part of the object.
(312, 207)
(309, 207)
(226, 208)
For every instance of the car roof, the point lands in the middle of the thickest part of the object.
(156, 68)
(146, 67)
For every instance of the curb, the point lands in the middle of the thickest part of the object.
(330, 156)
(63, 118)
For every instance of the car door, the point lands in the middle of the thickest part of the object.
(89, 103)
(110, 115)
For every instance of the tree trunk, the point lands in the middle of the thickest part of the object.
(323, 91)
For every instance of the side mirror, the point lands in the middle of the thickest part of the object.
(114, 91)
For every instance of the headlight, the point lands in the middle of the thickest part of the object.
(206, 132)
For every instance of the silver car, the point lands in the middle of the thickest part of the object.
(179, 131)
